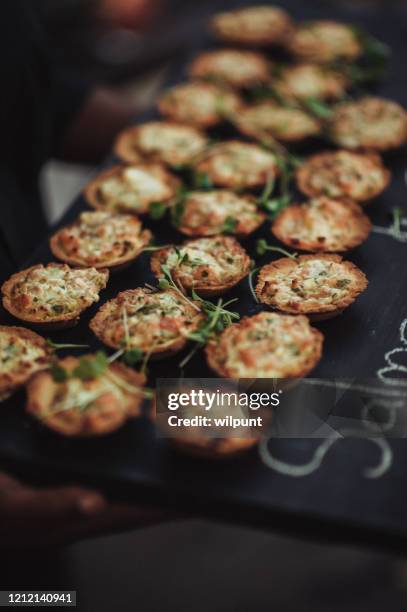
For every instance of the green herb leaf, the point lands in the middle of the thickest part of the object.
(59, 374)
(318, 108)
(91, 367)
(133, 356)
(157, 210)
(202, 181)
(229, 225)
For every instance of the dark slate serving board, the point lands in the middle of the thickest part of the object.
(336, 500)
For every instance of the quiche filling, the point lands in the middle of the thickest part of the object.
(310, 285)
(56, 290)
(239, 68)
(101, 237)
(97, 395)
(199, 103)
(325, 41)
(209, 262)
(343, 173)
(238, 164)
(280, 122)
(321, 224)
(368, 122)
(268, 345)
(135, 188)
(19, 358)
(205, 213)
(146, 320)
(173, 144)
(255, 24)
(310, 81)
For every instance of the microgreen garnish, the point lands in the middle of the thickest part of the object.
(157, 210)
(398, 214)
(229, 225)
(91, 367)
(59, 347)
(201, 180)
(167, 281)
(373, 63)
(216, 320)
(178, 208)
(250, 281)
(318, 108)
(262, 247)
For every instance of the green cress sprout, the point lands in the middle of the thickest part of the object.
(374, 60)
(217, 318)
(262, 247)
(318, 108)
(250, 281)
(157, 210)
(59, 347)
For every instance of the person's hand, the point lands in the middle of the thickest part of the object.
(41, 517)
(129, 14)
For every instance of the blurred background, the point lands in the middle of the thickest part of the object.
(128, 48)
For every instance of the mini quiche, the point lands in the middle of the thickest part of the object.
(173, 144)
(91, 407)
(272, 120)
(259, 26)
(319, 286)
(237, 165)
(22, 354)
(100, 239)
(369, 123)
(208, 213)
(268, 345)
(199, 103)
(132, 188)
(157, 323)
(336, 174)
(52, 296)
(324, 42)
(310, 81)
(210, 266)
(241, 69)
(322, 224)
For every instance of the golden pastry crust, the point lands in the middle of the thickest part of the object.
(268, 345)
(238, 165)
(100, 239)
(213, 448)
(86, 408)
(260, 26)
(369, 123)
(52, 296)
(210, 266)
(206, 213)
(167, 142)
(310, 285)
(199, 103)
(322, 225)
(324, 42)
(158, 323)
(22, 354)
(269, 119)
(304, 81)
(132, 188)
(358, 176)
(241, 69)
